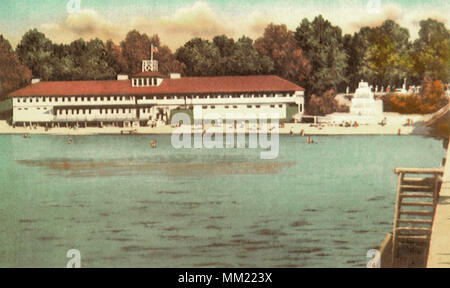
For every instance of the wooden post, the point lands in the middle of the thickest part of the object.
(396, 217)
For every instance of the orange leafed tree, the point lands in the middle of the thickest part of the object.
(279, 44)
(137, 47)
(323, 105)
(13, 74)
(430, 99)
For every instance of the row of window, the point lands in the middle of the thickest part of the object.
(89, 111)
(236, 107)
(218, 96)
(144, 82)
(69, 99)
(44, 108)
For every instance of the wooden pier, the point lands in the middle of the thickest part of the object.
(421, 234)
(417, 197)
(439, 251)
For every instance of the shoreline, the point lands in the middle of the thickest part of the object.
(288, 129)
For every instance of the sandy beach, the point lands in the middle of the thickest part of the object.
(392, 128)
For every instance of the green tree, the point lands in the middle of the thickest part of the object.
(246, 60)
(13, 74)
(36, 52)
(201, 57)
(324, 48)
(90, 60)
(388, 54)
(431, 53)
(357, 47)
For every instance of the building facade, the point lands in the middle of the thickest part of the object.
(151, 98)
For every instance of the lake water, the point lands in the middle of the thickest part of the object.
(123, 204)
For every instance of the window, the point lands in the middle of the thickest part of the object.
(227, 107)
(205, 107)
(31, 100)
(56, 99)
(69, 99)
(249, 106)
(235, 107)
(37, 100)
(43, 99)
(281, 106)
(258, 106)
(301, 107)
(213, 107)
(272, 106)
(18, 100)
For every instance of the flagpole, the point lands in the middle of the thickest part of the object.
(152, 54)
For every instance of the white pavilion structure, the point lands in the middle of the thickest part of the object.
(364, 108)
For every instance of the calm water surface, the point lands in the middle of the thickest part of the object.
(123, 204)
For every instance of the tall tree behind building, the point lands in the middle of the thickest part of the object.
(13, 74)
(223, 56)
(324, 49)
(35, 51)
(137, 47)
(278, 43)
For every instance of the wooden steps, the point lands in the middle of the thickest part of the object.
(419, 204)
(414, 218)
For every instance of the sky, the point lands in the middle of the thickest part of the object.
(177, 21)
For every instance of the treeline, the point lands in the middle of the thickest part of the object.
(316, 56)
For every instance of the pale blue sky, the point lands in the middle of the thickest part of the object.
(113, 18)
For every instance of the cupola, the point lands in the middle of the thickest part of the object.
(149, 75)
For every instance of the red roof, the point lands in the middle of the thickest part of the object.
(186, 85)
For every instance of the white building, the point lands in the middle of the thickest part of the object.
(150, 97)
